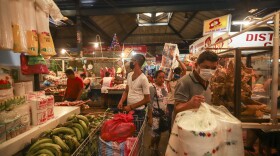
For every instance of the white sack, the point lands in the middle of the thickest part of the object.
(31, 27)
(18, 25)
(6, 34)
(38, 110)
(19, 89)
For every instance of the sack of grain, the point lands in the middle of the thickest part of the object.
(38, 110)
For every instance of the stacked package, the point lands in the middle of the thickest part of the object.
(6, 89)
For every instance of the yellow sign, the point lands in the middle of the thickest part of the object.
(217, 24)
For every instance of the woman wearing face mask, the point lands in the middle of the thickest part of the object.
(192, 89)
(158, 94)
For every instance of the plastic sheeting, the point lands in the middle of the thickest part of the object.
(31, 27)
(45, 38)
(6, 34)
(18, 24)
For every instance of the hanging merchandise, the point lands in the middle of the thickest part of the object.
(32, 69)
(18, 25)
(45, 38)
(30, 26)
(49, 6)
(6, 34)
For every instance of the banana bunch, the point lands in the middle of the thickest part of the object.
(62, 140)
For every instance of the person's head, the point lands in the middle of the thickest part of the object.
(83, 75)
(159, 77)
(107, 74)
(70, 73)
(137, 61)
(177, 73)
(206, 64)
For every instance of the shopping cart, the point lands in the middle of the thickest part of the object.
(138, 146)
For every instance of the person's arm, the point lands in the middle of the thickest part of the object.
(182, 65)
(144, 101)
(124, 97)
(195, 102)
(168, 86)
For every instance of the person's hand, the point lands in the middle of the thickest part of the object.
(196, 101)
(120, 105)
(127, 108)
(177, 57)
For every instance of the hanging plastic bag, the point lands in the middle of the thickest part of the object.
(49, 7)
(18, 25)
(119, 128)
(31, 27)
(208, 131)
(32, 69)
(6, 34)
(45, 39)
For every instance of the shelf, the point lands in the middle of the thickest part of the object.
(19, 142)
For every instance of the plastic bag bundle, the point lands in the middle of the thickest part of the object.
(49, 6)
(207, 131)
(6, 34)
(30, 26)
(45, 38)
(18, 25)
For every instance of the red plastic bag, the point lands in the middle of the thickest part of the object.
(31, 69)
(119, 128)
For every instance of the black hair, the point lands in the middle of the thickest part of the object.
(207, 56)
(69, 72)
(177, 70)
(83, 75)
(107, 74)
(140, 59)
(157, 73)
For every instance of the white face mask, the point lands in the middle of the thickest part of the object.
(206, 74)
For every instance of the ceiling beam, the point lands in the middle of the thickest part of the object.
(94, 27)
(128, 34)
(171, 6)
(153, 34)
(120, 23)
(188, 21)
(177, 33)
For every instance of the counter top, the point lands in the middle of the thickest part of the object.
(19, 142)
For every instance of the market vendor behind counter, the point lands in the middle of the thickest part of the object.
(74, 88)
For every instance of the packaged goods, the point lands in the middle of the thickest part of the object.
(6, 89)
(28, 85)
(6, 34)
(31, 27)
(11, 120)
(50, 105)
(18, 25)
(25, 115)
(45, 38)
(111, 148)
(38, 110)
(2, 133)
(19, 89)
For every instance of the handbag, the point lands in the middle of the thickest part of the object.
(163, 118)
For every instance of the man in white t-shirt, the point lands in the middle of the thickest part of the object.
(137, 91)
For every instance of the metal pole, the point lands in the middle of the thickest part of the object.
(79, 29)
(275, 65)
(237, 83)
(63, 66)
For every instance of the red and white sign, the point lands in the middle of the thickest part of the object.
(197, 47)
(251, 39)
(137, 49)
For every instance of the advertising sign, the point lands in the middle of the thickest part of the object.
(218, 24)
(197, 47)
(168, 60)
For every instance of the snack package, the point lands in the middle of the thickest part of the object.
(6, 34)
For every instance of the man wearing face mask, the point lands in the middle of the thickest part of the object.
(137, 91)
(193, 89)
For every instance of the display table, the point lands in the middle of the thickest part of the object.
(19, 142)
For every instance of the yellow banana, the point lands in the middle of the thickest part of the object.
(64, 130)
(45, 140)
(78, 133)
(81, 129)
(61, 143)
(84, 125)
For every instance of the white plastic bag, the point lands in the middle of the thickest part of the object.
(45, 38)
(208, 131)
(31, 27)
(6, 34)
(49, 7)
(18, 25)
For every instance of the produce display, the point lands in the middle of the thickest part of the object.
(68, 137)
(118, 87)
(222, 87)
(54, 91)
